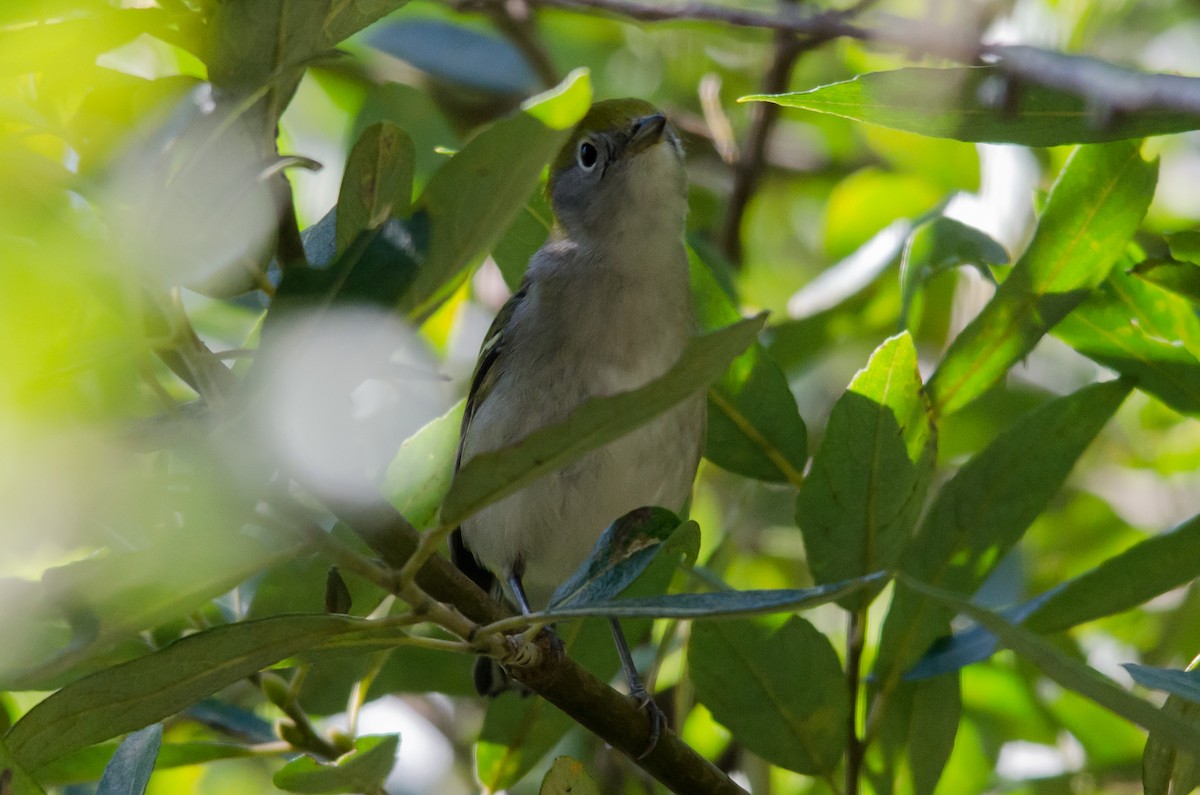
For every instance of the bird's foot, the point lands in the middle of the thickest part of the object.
(657, 718)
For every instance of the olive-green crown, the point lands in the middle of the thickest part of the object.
(609, 116)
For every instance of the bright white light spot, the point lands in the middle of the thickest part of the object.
(425, 758)
(1021, 761)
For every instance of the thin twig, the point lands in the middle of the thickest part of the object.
(855, 748)
(515, 20)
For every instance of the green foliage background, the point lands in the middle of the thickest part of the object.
(962, 442)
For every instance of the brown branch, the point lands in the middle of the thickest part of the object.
(515, 21)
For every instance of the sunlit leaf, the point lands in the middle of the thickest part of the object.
(419, 476)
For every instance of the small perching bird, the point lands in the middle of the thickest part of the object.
(605, 307)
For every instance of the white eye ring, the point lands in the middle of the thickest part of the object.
(587, 156)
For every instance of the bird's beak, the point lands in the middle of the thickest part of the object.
(645, 133)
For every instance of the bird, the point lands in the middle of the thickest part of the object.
(605, 307)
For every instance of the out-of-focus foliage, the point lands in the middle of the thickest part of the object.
(248, 251)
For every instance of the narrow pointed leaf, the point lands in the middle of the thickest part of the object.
(754, 425)
(1166, 768)
(987, 506)
(868, 481)
(982, 104)
(493, 476)
(472, 199)
(1144, 331)
(362, 770)
(128, 772)
(151, 688)
(1093, 209)
(377, 183)
(1067, 671)
(1185, 684)
(781, 693)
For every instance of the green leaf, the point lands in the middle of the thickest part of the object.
(419, 476)
(522, 240)
(1144, 571)
(493, 476)
(376, 269)
(1166, 768)
(128, 772)
(982, 104)
(1096, 204)
(151, 688)
(938, 245)
(1185, 246)
(870, 201)
(1067, 671)
(987, 506)
(721, 603)
(472, 199)
(868, 481)
(87, 764)
(568, 776)
(297, 584)
(754, 425)
(917, 731)
(21, 782)
(362, 770)
(1181, 278)
(1143, 331)
(781, 693)
(377, 183)
(622, 552)
(1185, 684)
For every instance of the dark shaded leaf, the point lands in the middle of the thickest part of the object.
(1181, 278)
(1185, 684)
(362, 770)
(982, 104)
(128, 772)
(781, 693)
(938, 245)
(377, 183)
(88, 764)
(1094, 207)
(868, 481)
(1166, 768)
(14, 775)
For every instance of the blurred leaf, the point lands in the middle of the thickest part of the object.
(781, 693)
(522, 240)
(413, 111)
(87, 764)
(362, 770)
(419, 476)
(128, 772)
(411, 669)
(721, 603)
(867, 483)
(1181, 278)
(1165, 768)
(1185, 246)
(622, 552)
(377, 183)
(1185, 684)
(1143, 331)
(21, 782)
(297, 583)
(1067, 671)
(472, 199)
(754, 425)
(376, 269)
(568, 776)
(1096, 204)
(868, 201)
(941, 244)
(950, 165)
(980, 513)
(916, 734)
(983, 104)
(493, 476)
(156, 686)
(456, 54)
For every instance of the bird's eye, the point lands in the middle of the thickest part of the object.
(588, 155)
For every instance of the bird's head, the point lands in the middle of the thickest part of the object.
(622, 166)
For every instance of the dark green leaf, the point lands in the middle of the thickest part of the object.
(128, 772)
(868, 481)
(754, 426)
(1067, 671)
(919, 725)
(151, 688)
(473, 198)
(984, 510)
(1185, 246)
(1181, 278)
(1096, 204)
(781, 693)
(982, 104)
(722, 603)
(377, 183)
(1165, 768)
(1185, 684)
(362, 770)
(492, 476)
(87, 764)
(622, 552)
(1143, 331)
(21, 782)
(298, 583)
(942, 244)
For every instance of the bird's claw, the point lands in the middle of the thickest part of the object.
(654, 714)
